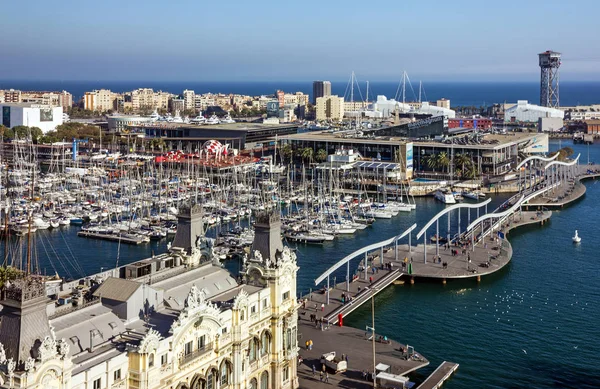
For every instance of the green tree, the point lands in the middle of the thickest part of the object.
(321, 155)
(8, 273)
(462, 164)
(157, 143)
(24, 132)
(443, 160)
(307, 154)
(432, 161)
(287, 151)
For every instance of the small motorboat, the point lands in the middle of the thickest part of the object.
(576, 238)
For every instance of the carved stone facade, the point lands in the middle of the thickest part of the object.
(218, 334)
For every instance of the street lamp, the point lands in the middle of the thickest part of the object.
(373, 337)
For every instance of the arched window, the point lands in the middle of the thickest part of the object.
(253, 384)
(265, 343)
(198, 384)
(264, 380)
(151, 360)
(225, 373)
(211, 379)
(252, 350)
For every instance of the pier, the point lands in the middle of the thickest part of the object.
(134, 240)
(478, 250)
(439, 376)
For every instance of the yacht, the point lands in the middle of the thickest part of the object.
(198, 119)
(227, 119)
(474, 195)
(213, 120)
(155, 116)
(444, 196)
(177, 118)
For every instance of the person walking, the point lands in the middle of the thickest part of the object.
(322, 307)
(313, 369)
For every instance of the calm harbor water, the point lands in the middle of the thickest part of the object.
(533, 324)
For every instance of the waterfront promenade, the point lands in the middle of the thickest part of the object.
(479, 251)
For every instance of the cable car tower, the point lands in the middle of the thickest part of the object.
(549, 65)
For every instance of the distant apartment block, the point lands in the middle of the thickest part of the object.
(189, 99)
(321, 89)
(12, 96)
(101, 100)
(297, 98)
(53, 99)
(147, 98)
(444, 103)
(330, 108)
(353, 106)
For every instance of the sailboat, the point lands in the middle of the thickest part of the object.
(576, 238)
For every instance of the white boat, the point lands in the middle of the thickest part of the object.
(470, 195)
(458, 196)
(227, 119)
(198, 119)
(213, 120)
(155, 116)
(474, 195)
(576, 238)
(444, 196)
(54, 223)
(41, 224)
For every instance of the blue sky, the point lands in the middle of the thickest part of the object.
(460, 40)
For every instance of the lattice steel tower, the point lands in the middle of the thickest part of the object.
(549, 65)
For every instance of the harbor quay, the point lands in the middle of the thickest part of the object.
(474, 253)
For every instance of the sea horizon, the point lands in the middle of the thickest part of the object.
(460, 93)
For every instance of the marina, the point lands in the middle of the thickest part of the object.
(395, 263)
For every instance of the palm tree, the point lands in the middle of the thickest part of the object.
(443, 160)
(287, 151)
(307, 154)
(431, 161)
(462, 163)
(321, 155)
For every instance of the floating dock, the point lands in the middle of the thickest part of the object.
(135, 240)
(439, 376)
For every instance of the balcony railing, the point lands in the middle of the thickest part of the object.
(187, 358)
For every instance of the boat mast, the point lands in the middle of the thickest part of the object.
(27, 271)
(6, 208)
(404, 87)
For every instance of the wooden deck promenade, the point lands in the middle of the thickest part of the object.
(485, 259)
(359, 350)
(569, 193)
(439, 376)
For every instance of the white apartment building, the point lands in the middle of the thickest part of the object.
(189, 99)
(330, 108)
(194, 326)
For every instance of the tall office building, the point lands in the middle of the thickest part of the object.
(321, 89)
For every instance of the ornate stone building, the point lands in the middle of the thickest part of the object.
(177, 321)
